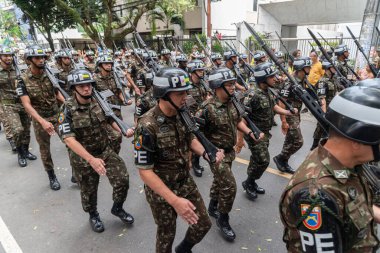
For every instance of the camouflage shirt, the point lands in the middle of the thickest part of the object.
(162, 143)
(41, 93)
(221, 121)
(108, 83)
(328, 208)
(342, 67)
(86, 123)
(199, 93)
(145, 102)
(138, 74)
(91, 66)
(287, 93)
(261, 104)
(8, 86)
(62, 75)
(327, 88)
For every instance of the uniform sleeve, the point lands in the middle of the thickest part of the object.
(144, 148)
(254, 104)
(21, 89)
(322, 88)
(312, 222)
(284, 91)
(65, 123)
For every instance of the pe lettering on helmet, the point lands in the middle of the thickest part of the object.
(180, 81)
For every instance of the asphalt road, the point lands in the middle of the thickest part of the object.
(34, 218)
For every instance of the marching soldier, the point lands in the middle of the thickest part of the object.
(342, 53)
(181, 61)
(262, 106)
(64, 66)
(40, 100)
(83, 127)
(199, 92)
(13, 111)
(162, 143)
(105, 81)
(328, 205)
(146, 101)
(221, 124)
(291, 123)
(327, 89)
(230, 59)
(217, 59)
(166, 58)
(259, 57)
(90, 61)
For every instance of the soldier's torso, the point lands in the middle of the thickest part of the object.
(352, 209)
(62, 75)
(171, 145)
(221, 123)
(91, 66)
(7, 86)
(199, 93)
(262, 114)
(342, 67)
(139, 77)
(328, 88)
(145, 102)
(41, 93)
(108, 83)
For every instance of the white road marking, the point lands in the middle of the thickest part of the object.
(7, 240)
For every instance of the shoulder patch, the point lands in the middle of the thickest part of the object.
(314, 220)
(341, 174)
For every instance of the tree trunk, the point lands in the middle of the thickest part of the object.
(49, 38)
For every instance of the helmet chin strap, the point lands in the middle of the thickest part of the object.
(84, 97)
(376, 152)
(200, 78)
(167, 98)
(226, 91)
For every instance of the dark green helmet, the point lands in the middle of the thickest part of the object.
(195, 65)
(301, 62)
(78, 77)
(34, 51)
(219, 76)
(264, 70)
(168, 80)
(339, 50)
(4, 50)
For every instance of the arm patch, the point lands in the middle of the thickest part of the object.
(144, 148)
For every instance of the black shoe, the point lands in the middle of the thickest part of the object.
(73, 180)
(21, 157)
(96, 224)
(259, 190)
(54, 184)
(196, 167)
(213, 209)
(13, 145)
(280, 163)
(184, 247)
(28, 155)
(289, 169)
(223, 223)
(250, 190)
(122, 214)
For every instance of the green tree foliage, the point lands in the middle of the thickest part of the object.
(8, 26)
(46, 16)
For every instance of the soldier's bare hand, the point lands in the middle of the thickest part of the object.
(185, 209)
(284, 127)
(129, 102)
(48, 127)
(137, 91)
(130, 132)
(219, 156)
(98, 165)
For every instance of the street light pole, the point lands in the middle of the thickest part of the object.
(209, 25)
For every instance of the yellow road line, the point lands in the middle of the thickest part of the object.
(270, 170)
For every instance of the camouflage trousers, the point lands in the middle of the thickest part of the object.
(115, 138)
(293, 139)
(88, 179)
(6, 125)
(223, 188)
(43, 139)
(19, 123)
(260, 158)
(165, 216)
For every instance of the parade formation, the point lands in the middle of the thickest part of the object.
(204, 107)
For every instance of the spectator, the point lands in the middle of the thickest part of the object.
(316, 71)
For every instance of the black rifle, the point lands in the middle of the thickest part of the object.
(373, 69)
(283, 45)
(55, 82)
(204, 49)
(298, 90)
(348, 66)
(178, 45)
(344, 81)
(246, 48)
(312, 47)
(236, 68)
(106, 108)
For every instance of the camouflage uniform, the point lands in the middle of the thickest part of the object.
(6, 125)
(199, 93)
(162, 145)
(144, 103)
(261, 104)
(138, 75)
(62, 75)
(88, 125)
(327, 88)
(328, 208)
(43, 99)
(108, 83)
(91, 66)
(342, 67)
(16, 120)
(293, 139)
(221, 129)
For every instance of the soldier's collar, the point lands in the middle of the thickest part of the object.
(337, 170)
(218, 103)
(76, 105)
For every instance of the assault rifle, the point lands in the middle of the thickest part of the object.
(298, 90)
(206, 51)
(283, 45)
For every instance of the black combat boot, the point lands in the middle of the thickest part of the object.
(315, 144)
(280, 163)
(21, 157)
(289, 169)
(213, 208)
(184, 247)
(96, 223)
(73, 179)
(117, 210)
(28, 155)
(249, 189)
(223, 223)
(13, 145)
(258, 189)
(54, 184)
(196, 167)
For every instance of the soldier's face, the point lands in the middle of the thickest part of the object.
(178, 98)
(307, 70)
(84, 89)
(107, 66)
(346, 54)
(75, 57)
(271, 81)
(234, 59)
(230, 87)
(6, 59)
(200, 73)
(38, 61)
(218, 62)
(66, 60)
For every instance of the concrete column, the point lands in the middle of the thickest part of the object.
(289, 32)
